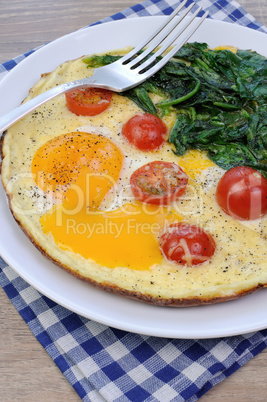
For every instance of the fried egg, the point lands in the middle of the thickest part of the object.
(67, 178)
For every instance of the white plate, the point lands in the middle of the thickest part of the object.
(231, 318)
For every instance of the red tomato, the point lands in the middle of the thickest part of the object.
(242, 193)
(187, 244)
(146, 132)
(88, 101)
(158, 183)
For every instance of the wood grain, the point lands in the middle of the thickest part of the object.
(26, 371)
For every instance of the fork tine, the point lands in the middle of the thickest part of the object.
(160, 38)
(168, 41)
(184, 37)
(116, 76)
(141, 45)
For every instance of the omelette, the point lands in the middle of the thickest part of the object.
(69, 181)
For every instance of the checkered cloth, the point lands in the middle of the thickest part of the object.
(107, 364)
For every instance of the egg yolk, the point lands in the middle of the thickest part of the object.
(60, 161)
(126, 237)
(194, 161)
(81, 168)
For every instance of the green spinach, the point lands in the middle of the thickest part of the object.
(220, 100)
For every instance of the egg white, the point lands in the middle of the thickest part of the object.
(239, 263)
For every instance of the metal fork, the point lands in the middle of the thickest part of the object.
(130, 70)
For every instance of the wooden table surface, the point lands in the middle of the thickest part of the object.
(27, 373)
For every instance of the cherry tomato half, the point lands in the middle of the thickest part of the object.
(146, 132)
(88, 101)
(242, 193)
(187, 244)
(158, 183)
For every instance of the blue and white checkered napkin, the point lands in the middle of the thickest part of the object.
(106, 364)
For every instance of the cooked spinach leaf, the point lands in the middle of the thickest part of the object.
(100, 61)
(219, 97)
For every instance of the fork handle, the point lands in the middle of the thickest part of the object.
(16, 114)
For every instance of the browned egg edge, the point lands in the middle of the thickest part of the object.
(157, 301)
